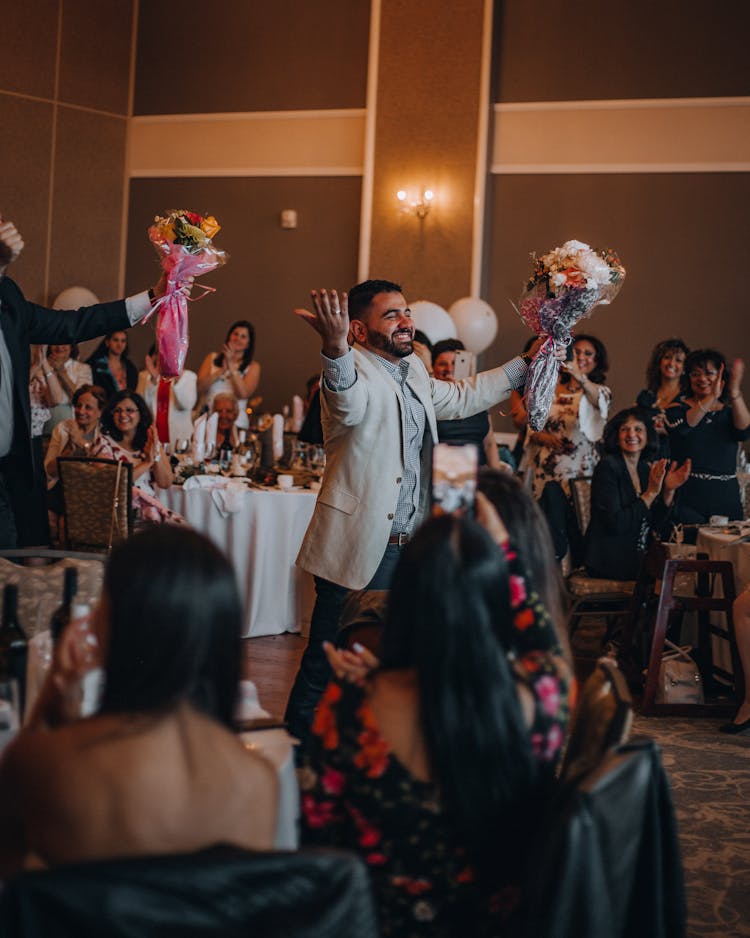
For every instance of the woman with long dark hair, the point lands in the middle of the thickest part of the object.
(666, 383)
(566, 446)
(706, 427)
(157, 769)
(232, 369)
(110, 366)
(434, 768)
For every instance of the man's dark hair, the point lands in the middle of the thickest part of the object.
(446, 345)
(361, 295)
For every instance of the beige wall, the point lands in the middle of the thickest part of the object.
(63, 114)
(270, 270)
(426, 135)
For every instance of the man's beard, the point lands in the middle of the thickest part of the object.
(384, 343)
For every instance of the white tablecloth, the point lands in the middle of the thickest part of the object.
(262, 540)
(276, 745)
(721, 546)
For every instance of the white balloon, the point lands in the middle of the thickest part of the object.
(433, 320)
(476, 323)
(74, 298)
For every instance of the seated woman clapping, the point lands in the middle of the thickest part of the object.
(631, 497)
(434, 766)
(77, 436)
(156, 769)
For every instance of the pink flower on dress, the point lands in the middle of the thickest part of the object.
(517, 590)
(333, 781)
(317, 813)
(548, 690)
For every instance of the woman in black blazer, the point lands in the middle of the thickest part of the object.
(630, 496)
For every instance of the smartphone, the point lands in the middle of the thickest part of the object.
(465, 365)
(454, 478)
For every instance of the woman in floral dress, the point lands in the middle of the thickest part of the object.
(129, 435)
(566, 448)
(435, 766)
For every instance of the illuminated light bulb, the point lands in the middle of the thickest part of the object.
(401, 195)
(429, 195)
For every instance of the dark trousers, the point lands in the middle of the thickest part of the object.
(8, 537)
(561, 518)
(314, 671)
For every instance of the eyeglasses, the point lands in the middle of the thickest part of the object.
(125, 410)
(703, 374)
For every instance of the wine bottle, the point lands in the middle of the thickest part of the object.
(13, 644)
(61, 616)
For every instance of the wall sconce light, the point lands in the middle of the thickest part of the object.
(419, 206)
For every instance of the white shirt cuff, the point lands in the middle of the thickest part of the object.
(137, 307)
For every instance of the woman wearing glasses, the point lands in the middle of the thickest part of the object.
(706, 428)
(129, 435)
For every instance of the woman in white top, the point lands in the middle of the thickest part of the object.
(232, 369)
(182, 394)
(566, 447)
(72, 374)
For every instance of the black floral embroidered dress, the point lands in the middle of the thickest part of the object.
(356, 794)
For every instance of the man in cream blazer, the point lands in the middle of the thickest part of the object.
(379, 409)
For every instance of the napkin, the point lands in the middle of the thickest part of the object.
(228, 498)
(298, 413)
(248, 706)
(203, 482)
(212, 427)
(277, 435)
(199, 439)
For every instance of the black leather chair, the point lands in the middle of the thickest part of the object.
(223, 891)
(609, 861)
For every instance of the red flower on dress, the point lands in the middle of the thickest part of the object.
(524, 619)
(373, 753)
(324, 724)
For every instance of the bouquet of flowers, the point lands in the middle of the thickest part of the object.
(564, 287)
(183, 241)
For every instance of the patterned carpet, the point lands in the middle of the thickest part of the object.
(710, 776)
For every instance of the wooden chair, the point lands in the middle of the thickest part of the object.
(592, 596)
(704, 602)
(98, 502)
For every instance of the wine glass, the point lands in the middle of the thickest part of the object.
(181, 446)
(225, 462)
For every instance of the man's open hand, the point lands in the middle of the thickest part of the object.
(330, 320)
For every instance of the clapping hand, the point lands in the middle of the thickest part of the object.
(677, 476)
(152, 444)
(735, 378)
(657, 472)
(11, 244)
(330, 320)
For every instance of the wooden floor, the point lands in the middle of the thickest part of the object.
(271, 663)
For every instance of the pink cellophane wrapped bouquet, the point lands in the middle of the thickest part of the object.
(564, 287)
(183, 242)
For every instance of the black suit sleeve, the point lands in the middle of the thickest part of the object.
(61, 327)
